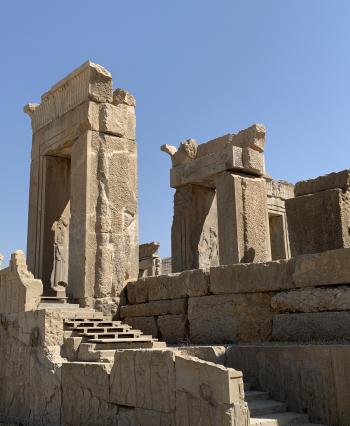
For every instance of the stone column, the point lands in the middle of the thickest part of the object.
(83, 123)
(242, 219)
(194, 239)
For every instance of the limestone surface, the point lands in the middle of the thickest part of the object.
(312, 300)
(323, 183)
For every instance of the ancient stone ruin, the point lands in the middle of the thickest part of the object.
(248, 323)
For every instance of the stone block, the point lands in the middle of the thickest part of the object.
(85, 390)
(142, 417)
(323, 183)
(155, 308)
(118, 120)
(206, 393)
(121, 96)
(242, 219)
(173, 328)
(319, 222)
(327, 268)
(252, 277)
(144, 379)
(214, 354)
(312, 300)
(312, 327)
(230, 318)
(148, 325)
(172, 286)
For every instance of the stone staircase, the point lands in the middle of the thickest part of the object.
(92, 337)
(267, 412)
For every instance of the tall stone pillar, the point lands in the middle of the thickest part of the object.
(84, 162)
(194, 239)
(242, 219)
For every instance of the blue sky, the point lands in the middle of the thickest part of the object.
(198, 69)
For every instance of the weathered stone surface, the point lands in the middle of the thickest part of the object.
(84, 155)
(312, 300)
(252, 277)
(173, 328)
(144, 379)
(323, 183)
(142, 417)
(118, 120)
(327, 268)
(242, 219)
(172, 286)
(85, 390)
(148, 325)
(208, 394)
(230, 318)
(310, 378)
(194, 232)
(214, 354)
(88, 82)
(155, 308)
(319, 222)
(19, 291)
(121, 96)
(308, 327)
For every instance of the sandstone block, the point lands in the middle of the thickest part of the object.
(319, 222)
(148, 325)
(121, 96)
(252, 277)
(214, 354)
(230, 318)
(172, 286)
(312, 300)
(144, 379)
(118, 120)
(205, 392)
(327, 268)
(142, 417)
(173, 328)
(308, 327)
(155, 308)
(323, 183)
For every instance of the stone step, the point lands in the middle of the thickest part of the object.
(133, 344)
(280, 419)
(142, 338)
(118, 336)
(119, 329)
(266, 406)
(253, 395)
(91, 323)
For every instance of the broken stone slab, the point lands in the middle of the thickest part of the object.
(252, 277)
(148, 250)
(322, 183)
(319, 222)
(144, 379)
(327, 268)
(215, 354)
(312, 327)
(121, 96)
(155, 308)
(173, 328)
(172, 286)
(117, 120)
(230, 318)
(312, 300)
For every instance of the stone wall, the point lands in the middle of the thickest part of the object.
(19, 291)
(142, 387)
(302, 299)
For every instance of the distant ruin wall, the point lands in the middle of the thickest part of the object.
(303, 299)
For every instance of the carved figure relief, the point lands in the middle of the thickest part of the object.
(59, 275)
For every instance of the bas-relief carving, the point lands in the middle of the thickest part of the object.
(60, 228)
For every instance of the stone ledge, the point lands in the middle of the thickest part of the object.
(309, 327)
(322, 183)
(155, 308)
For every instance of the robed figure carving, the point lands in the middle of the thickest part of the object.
(59, 275)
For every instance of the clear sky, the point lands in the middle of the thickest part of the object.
(198, 69)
